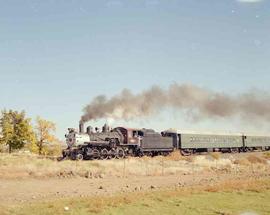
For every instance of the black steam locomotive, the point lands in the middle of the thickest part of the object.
(120, 142)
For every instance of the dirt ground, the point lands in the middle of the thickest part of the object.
(28, 189)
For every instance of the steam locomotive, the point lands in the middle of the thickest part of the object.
(120, 142)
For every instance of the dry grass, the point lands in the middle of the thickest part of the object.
(234, 185)
(255, 159)
(215, 155)
(202, 160)
(175, 156)
(23, 166)
(27, 165)
(267, 155)
(242, 161)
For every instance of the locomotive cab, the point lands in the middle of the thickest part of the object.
(130, 136)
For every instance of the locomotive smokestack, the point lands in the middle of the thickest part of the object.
(81, 127)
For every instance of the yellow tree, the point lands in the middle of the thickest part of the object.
(45, 133)
(15, 129)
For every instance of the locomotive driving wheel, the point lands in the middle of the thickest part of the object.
(104, 154)
(79, 157)
(120, 153)
(95, 154)
(112, 153)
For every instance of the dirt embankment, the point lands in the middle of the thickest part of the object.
(26, 178)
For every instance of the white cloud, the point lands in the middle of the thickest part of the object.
(250, 1)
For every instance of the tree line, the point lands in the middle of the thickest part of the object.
(18, 132)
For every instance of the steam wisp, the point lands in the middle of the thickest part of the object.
(199, 102)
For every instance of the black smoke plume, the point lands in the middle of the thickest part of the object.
(198, 102)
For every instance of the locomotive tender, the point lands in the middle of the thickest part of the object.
(120, 142)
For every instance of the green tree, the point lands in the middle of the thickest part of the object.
(16, 129)
(44, 133)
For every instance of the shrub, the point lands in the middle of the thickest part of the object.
(175, 156)
(243, 161)
(256, 159)
(215, 155)
(267, 155)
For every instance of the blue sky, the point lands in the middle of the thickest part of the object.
(56, 55)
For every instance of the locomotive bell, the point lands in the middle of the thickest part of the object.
(89, 130)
